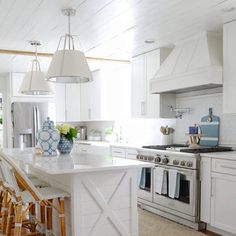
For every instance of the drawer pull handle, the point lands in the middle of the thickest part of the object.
(228, 167)
(117, 152)
(88, 144)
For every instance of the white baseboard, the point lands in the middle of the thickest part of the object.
(219, 231)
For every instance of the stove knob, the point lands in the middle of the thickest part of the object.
(150, 158)
(189, 164)
(175, 162)
(157, 159)
(145, 158)
(182, 163)
(138, 157)
(165, 160)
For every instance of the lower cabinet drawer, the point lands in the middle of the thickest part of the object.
(118, 152)
(131, 153)
(224, 166)
(83, 148)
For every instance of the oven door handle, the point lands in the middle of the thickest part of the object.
(187, 172)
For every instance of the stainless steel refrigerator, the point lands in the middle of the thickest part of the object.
(27, 118)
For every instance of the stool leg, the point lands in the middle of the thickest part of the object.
(42, 218)
(18, 220)
(1, 200)
(32, 217)
(62, 216)
(9, 219)
(49, 219)
(4, 212)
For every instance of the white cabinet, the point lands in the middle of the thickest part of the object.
(72, 102)
(118, 152)
(229, 78)
(85, 101)
(107, 96)
(138, 83)
(143, 103)
(129, 153)
(60, 101)
(91, 98)
(67, 100)
(91, 149)
(205, 178)
(218, 194)
(223, 209)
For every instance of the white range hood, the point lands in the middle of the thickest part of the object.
(194, 64)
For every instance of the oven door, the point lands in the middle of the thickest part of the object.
(187, 201)
(145, 186)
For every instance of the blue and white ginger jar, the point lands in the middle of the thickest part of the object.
(65, 146)
(48, 138)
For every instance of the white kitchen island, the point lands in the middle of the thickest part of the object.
(103, 190)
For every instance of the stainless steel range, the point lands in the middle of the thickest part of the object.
(172, 188)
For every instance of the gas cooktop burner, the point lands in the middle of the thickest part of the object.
(185, 148)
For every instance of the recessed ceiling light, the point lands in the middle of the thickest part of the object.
(149, 41)
(228, 9)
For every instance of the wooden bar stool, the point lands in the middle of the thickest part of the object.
(24, 193)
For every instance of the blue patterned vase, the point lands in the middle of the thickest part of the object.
(65, 146)
(48, 138)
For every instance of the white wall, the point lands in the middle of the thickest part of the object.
(136, 131)
(5, 90)
(199, 103)
(145, 131)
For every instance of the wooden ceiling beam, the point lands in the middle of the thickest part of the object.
(43, 54)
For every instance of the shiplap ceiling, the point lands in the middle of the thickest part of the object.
(106, 28)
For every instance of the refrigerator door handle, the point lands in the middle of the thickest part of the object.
(38, 119)
(34, 125)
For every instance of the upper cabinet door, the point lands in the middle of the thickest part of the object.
(229, 72)
(144, 104)
(85, 97)
(138, 87)
(152, 66)
(60, 101)
(67, 100)
(96, 93)
(72, 102)
(90, 103)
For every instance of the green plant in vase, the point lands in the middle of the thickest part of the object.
(67, 134)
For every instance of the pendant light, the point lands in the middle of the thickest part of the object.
(34, 82)
(68, 65)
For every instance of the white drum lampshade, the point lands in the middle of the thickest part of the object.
(69, 66)
(34, 84)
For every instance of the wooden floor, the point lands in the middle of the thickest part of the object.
(154, 225)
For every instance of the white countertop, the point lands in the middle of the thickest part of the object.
(221, 155)
(70, 164)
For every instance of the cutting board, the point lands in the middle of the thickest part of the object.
(210, 129)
